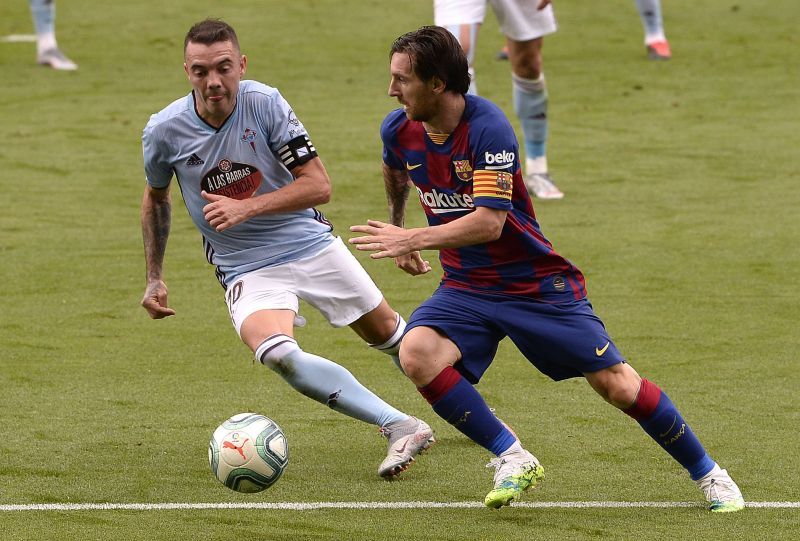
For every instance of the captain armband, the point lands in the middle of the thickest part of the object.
(297, 152)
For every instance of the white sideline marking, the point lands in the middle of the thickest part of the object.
(359, 505)
(19, 38)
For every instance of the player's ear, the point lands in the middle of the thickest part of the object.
(244, 66)
(437, 85)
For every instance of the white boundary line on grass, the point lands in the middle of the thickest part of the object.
(19, 38)
(310, 506)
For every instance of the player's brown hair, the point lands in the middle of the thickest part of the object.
(211, 31)
(435, 52)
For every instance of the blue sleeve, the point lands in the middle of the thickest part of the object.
(389, 138)
(282, 124)
(157, 168)
(496, 159)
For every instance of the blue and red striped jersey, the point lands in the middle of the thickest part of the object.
(478, 165)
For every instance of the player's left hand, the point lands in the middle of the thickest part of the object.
(385, 240)
(412, 264)
(224, 212)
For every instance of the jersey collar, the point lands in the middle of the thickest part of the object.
(205, 125)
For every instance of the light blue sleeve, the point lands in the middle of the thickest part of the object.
(157, 169)
(281, 123)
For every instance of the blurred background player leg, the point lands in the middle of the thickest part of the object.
(525, 24)
(467, 36)
(502, 54)
(654, 38)
(47, 51)
(463, 19)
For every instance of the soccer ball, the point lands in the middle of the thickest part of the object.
(248, 452)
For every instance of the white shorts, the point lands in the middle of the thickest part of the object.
(332, 281)
(518, 19)
(457, 12)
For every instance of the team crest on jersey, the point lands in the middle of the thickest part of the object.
(249, 136)
(232, 179)
(463, 170)
(505, 181)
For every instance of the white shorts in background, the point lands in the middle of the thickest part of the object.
(456, 12)
(521, 21)
(332, 281)
(518, 19)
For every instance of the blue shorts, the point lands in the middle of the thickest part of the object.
(562, 340)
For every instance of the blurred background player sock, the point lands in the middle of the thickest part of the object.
(650, 12)
(47, 51)
(44, 16)
(530, 104)
(456, 401)
(654, 38)
(662, 421)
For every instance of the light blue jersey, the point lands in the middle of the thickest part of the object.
(249, 155)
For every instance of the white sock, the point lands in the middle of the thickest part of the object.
(535, 166)
(516, 447)
(392, 346)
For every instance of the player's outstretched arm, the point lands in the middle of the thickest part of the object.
(156, 219)
(387, 240)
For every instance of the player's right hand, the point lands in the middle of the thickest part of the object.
(155, 300)
(413, 264)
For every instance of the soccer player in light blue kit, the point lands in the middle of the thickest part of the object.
(250, 177)
(502, 277)
(525, 23)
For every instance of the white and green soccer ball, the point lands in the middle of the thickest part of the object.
(248, 452)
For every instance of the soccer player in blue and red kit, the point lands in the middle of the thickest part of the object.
(502, 277)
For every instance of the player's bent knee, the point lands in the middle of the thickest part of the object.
(618, 385)
(413, 356)
(621, 396)
(410, 364)
(424, 353)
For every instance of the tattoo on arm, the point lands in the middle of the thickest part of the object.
(396, 184)
(156, 219)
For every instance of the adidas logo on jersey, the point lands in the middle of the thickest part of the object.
(193, 160)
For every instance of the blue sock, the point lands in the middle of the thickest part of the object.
(530, 104)
(456, 401)
(662, 421)
(44, 14)
(650, 13)
(325, 381)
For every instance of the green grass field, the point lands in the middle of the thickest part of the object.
(681, 209)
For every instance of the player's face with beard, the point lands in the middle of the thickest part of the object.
(415, 95)
(214, 72)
